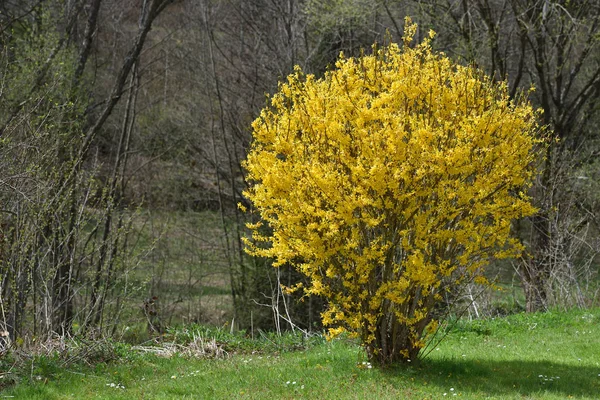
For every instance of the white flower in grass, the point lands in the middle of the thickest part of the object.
(115, 385)
(365, 364)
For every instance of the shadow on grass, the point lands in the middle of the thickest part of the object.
(506, 378)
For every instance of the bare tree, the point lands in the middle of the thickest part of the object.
(48, 196)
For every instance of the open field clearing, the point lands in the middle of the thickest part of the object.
(538, 356)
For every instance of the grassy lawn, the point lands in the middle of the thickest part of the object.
(541, 356)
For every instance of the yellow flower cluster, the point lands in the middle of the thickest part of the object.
(388, 180)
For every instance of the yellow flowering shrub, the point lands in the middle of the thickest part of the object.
(386, 182)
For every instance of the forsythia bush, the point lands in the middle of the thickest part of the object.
(388, 181)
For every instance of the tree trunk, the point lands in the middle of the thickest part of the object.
(535, 268)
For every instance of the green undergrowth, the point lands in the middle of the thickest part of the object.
(555, 355)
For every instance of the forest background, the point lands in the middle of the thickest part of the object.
(123, 125)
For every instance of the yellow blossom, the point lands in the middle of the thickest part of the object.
(393, 177)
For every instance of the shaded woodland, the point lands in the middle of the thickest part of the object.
(119, 117)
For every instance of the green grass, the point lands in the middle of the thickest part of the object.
(179, 257)
(541, 356)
